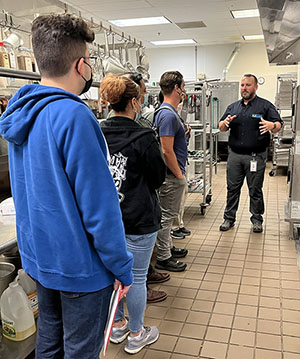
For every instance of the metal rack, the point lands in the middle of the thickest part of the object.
(282, 141)
(292, 207)
(201, 154)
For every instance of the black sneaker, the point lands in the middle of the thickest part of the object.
(178, 252)
(177, 234)
(257, 227)
(185, 231)
(171, 265)
(226, 225)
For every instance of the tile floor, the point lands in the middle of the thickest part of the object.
(240, 296)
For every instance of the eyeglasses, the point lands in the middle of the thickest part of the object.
(93, 60)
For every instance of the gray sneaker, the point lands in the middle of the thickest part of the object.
(148, 336)
(117, 335)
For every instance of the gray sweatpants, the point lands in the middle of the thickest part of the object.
(238, 167)
(170, 196)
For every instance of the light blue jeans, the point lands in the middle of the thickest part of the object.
(141, 246)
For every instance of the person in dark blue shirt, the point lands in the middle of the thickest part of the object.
(250, 121)
(174, 148)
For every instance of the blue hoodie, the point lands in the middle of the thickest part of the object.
(69, 224)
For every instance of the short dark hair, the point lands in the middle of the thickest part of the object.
(57, 41)
(136, 77)
(251, 75)
(168, 81)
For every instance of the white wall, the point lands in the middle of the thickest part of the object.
(211, 60)
(252, 58)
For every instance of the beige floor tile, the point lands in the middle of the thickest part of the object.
(221, 320)
(215, 334)
(188, 346)
(246, 311)
(243, 323)
(195, 331)
(290, 356)
(291, 316)
(176, 314)
(269, 314)
(268, 341)
(155, 354)
(269, 326)
(291, 304)
(248, 299)
(198, 317)
(165, 343)
(227, 297)
(186, 293)
(214, 350)
(242, 338)
(170, 327)
(238, 352)
(224, 308)
(267, 354)
(291, 344)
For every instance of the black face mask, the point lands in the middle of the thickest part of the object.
(88, 83)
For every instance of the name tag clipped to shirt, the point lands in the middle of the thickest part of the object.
(253, 166)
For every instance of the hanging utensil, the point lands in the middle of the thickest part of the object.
(110, 63)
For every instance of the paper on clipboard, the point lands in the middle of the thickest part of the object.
(113, 305)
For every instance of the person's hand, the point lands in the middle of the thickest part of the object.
(124, 290)
(265, 126)
(228, 119)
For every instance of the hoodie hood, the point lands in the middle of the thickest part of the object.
(24, 107)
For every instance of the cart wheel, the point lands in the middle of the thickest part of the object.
(271, 173)
(202, 210)
(208, 198)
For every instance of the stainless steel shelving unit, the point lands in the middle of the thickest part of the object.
(202, 147)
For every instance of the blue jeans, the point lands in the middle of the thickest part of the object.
(141, 246)
(71, 325)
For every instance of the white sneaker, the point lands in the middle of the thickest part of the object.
(148, 336)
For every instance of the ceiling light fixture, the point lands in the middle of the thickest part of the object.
(253, 37)
(173, 42)
(142, 21)
(239, 14)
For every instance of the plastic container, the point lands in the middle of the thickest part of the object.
(4, 56)
(29, 288)
(16, 315)
(11, 54)
(24, 59)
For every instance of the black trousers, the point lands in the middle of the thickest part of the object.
(238, 167)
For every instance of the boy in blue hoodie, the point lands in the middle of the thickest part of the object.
(69, 224)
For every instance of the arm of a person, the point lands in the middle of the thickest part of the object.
(154, 165)
(167, 146)
(84, 153)
(225, 120)
(272, 121)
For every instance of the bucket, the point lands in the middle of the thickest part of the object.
(7, 275)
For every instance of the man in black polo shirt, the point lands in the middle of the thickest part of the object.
(250, 121)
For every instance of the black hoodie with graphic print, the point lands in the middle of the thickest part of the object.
(138, 169)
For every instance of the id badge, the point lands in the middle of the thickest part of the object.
(253, 166)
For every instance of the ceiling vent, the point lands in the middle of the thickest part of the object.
(191, 25)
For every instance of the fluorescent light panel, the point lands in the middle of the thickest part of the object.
(173, 42)
(253, 37)
(140, 21)
(239, 14)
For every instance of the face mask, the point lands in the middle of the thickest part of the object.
(88, 83)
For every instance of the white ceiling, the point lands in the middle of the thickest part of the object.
(221, 27)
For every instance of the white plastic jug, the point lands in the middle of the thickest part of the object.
(16, 315)
(29, 288)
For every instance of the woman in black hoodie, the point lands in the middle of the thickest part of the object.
(138, 170)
